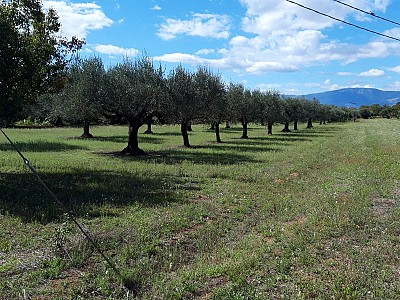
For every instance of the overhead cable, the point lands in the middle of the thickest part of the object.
(345, 22)
(367, 12)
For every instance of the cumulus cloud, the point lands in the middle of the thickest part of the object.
(205, 51)
(278, 36)
(78, 19)
(372, 73)
(180, 58)
(156, 7)
(395, 86)
(345, 73)
(114, 50)
(203, 25)
(395, 69)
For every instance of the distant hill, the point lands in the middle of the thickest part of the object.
(356, 97)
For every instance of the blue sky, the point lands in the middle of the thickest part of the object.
(264, 44)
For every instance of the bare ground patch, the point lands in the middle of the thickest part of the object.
(383, 207)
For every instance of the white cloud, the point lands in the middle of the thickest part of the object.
(156, 7)
(372, 73)
(205, 51)
(395, 86)
(280, 37)
(395, 69)
(345, 73)
(78, 19)
(180, 58)
(203, 25)
(269, 86)
(114, 50)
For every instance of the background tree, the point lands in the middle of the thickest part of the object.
(273, 109)
(311, 111)
(241, 106)
(210, 93)
(136, 91)
(32, 58)
(296, 110)
(396, 110)
(365, 112)
(82, 100)
(184, 105)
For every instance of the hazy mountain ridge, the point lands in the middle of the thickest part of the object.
(356, 97)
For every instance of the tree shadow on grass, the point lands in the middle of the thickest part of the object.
(177, 133)
(241, 147)
(41, 146)
(151, 139)
(84, 193)
(194, 154)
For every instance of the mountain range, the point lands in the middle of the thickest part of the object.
(356, 97)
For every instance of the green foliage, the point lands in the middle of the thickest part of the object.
(184, 104)
(32, 58)
(365, 113)
(136, 92)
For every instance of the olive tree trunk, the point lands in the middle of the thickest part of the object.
(269, 128)
(133, 144)
(295, 125)
(185, 135)
(286, 128)
(245, 129)
(309, 123)
(86, 130)
(217, 132)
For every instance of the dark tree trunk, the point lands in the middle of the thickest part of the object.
(148, 130)
(269, 128)
(86, 130)
(227, 125)
(217, 135)
(133, 143)
(286, 129)
(320, 122)
(309, 123)
(185, 135)
(212, 126)
(244, 135)
(189, 126)
(295, 125)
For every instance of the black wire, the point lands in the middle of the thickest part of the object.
(345, 22)
(64, 208)
(367, 12)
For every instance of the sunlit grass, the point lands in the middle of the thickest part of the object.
(301, 215)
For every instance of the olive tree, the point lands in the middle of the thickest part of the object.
(184, 105)
(242, 106)
(295, 110)
(273, 109)
(82, 100)
(311, 111)
(210, 94)
(136, 91)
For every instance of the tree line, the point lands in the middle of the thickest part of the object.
(136, 92)
(41, 77)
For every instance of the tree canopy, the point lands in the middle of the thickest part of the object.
(32, 56)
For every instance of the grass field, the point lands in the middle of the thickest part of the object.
(312, 214)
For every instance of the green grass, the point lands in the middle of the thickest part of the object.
(312, 214)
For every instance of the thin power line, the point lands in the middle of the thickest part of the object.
(367, 12)
(345, 22)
